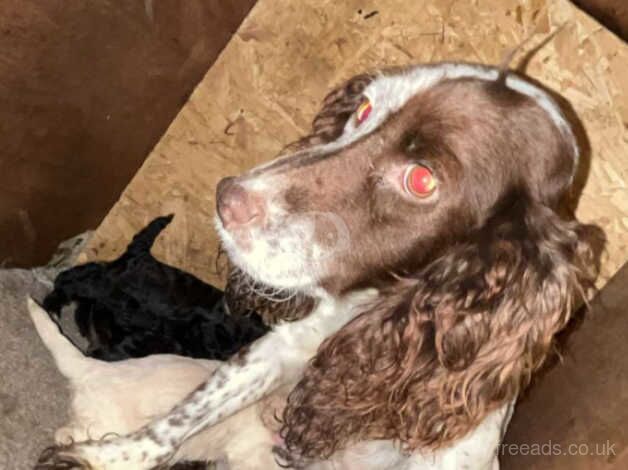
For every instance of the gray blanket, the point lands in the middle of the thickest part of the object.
(34, 398)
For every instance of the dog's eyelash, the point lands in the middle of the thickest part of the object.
(411, 142)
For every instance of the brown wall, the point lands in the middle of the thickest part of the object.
(86, 90)
(575, 416)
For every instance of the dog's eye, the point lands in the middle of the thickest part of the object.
(411, 142)
(363, 111)
(419, 181)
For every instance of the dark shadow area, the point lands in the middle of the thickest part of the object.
(86, 90)
(611, 13)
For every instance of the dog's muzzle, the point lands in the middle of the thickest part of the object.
(238, 207)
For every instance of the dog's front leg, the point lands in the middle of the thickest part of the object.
(231, 387)
(272, 361)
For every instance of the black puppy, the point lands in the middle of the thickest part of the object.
(136, 306)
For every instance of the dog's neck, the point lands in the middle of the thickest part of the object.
(330, 314)
(328, 304)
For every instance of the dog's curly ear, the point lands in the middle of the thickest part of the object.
(337, 108)
(459, 338)
(497, 306)
(445, 347)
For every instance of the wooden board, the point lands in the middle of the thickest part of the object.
(266, 86)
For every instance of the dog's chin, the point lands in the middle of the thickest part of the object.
(275, 272)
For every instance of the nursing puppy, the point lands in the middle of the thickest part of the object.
(120, 397)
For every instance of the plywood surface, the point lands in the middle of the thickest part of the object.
(265, 87)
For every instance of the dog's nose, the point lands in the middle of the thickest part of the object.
(235, 205)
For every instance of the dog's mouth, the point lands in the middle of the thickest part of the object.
(276, 246)
(246, 290)
(243, 295)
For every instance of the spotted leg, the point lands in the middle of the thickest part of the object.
(274, 360)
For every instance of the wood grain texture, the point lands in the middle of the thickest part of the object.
(265, 87)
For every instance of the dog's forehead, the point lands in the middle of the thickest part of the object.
(389, 91)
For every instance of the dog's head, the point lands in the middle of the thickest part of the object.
(399, 166)
(449, 176)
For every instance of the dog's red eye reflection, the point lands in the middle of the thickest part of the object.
(419, 181)
(363, 111)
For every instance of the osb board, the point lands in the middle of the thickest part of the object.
(266, 86)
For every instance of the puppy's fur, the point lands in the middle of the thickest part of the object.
(136, 305)
(121, 397)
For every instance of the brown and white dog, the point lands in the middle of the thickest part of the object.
(422, 216)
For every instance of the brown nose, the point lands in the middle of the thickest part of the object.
(235, 205)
